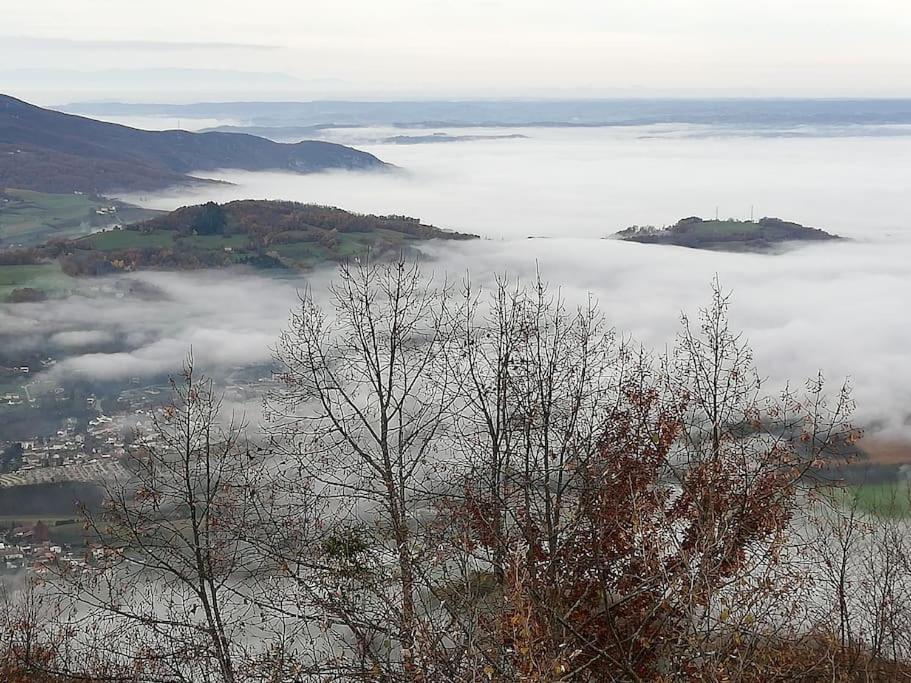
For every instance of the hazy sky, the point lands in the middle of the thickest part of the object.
(384, 48)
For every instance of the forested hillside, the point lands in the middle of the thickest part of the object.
(256, 233)
(49, 151)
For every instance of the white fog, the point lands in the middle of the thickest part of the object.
(816, 307)
(591, 182)
(811, 308)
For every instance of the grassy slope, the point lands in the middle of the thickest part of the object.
(31, 218)
(303, 254)
(113, 240)
(887, 499)
(47, 277)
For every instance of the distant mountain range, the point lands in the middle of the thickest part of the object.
(435, 138)
(292, 133)
(552, 113)
(49, 151)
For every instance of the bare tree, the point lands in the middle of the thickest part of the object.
(162, 581)
(486, 487)
(365, 397)
(649, 503)
(632, 515)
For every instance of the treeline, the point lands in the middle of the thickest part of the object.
(90, 262)
(21, 257)
(37, 255)
(456, 485)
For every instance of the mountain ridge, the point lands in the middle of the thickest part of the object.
(51, 151)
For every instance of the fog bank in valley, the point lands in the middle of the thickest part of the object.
(832, 307)
(145, 323)
(835, 307)
(593, 182)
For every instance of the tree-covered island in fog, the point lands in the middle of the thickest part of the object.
(726, 235)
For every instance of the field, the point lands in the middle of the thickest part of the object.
(113, 240)
(217, 242)
(31, 218)
(876, 479)
(47, 277)
(888, 499)
(305, 253)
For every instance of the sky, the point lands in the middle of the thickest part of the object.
(470, 48)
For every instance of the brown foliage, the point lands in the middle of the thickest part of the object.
(457, 492)
(271, 221)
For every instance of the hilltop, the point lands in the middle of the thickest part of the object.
(49, 151)
(726, 235)
(255, 233)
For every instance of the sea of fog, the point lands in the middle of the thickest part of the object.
(838, 307)
(590, 182)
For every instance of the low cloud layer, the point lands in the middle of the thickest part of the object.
(146, 323)
(593, 182)
(836, 307)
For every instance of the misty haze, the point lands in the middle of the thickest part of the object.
(492, 342)
(805, 310)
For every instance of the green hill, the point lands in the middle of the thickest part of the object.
(726, 235)
(259, 234)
